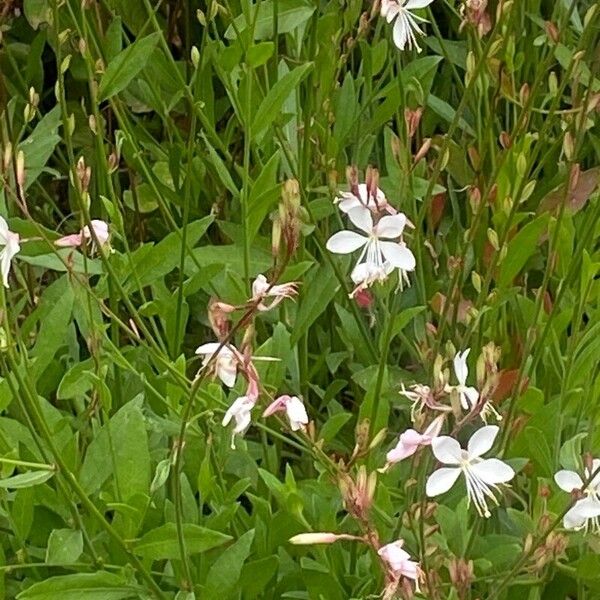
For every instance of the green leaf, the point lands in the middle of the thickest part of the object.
(404, 318)
(81, 586)
(161, 543)
(271, 105)
(64, 546)
(24, 480)
(39, 145)
(225, 572)
(259, 54)
(539, 450)
(126, 65)
(312, 305)
(290, 15)
(520, 249)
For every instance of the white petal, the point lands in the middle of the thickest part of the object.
(391, 226)
(595, 483)
(400, 33)
(472, 395)
(3, 231)
(361, 272)
(493, 471)
(414, 4)
(348, 202)
(588, 507)
(362, 218)
(568, 480)
(573, 518)
(344, 242)
(482, 440)
(227, 372)
(441, 481)
(460, 366)
(398, 255)
(296, 412)
(446, 449)
(209, 348)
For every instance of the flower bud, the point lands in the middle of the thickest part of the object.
(303, 539)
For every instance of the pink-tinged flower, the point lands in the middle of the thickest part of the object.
(380, 255)
(481, 474)
(376, 202)
(240, 411)
(410, 441)
(399, 562)
(225, 363)
(100, 229)
(11, 242)
(262, 289)
(585, 513)
(293, 408)
(406, 25)
(468, 395)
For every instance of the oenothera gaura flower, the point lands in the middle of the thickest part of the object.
(11, 242)
(100, 229)
(468, 395)
(225, 362)
(406, 25)
(293, 408)
(262, 289)
(399, 562)
(481, 474)
(411, 440)
(422, 397)
(380, 255)
(375, 200)
(240, 411)
(585, 513)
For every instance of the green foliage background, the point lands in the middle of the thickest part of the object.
(190, 123)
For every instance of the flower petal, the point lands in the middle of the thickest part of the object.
(227, 372)
(209, 348)
(460, 366)
(568, 480)
(398, 255)
(441, 481)
(3, 231)
(447, 450)
(482, 440)
(344, 242)
(573, 519)
(493, 471)
(391, 226)
(400, 33)
(472, 395)
(362, 218)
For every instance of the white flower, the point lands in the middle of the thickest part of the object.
(240, 411)
(225, 364)
(262, 289)
(468, 395)
(406, 25)
(376, 203)
(399, 560)
(585, 513)
(10, 241)
(481, 474)
(101, 231)
(380, 255)
(293, 408)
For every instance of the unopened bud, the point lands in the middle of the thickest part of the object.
(524, 93)
(505, 140)
(423, 150)
(313, 538)
(412, 119)
(7, 157)
(92, 124)
(21, 174)
(352, 179)
(195, 56)
(568, 145)
(552, 32)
